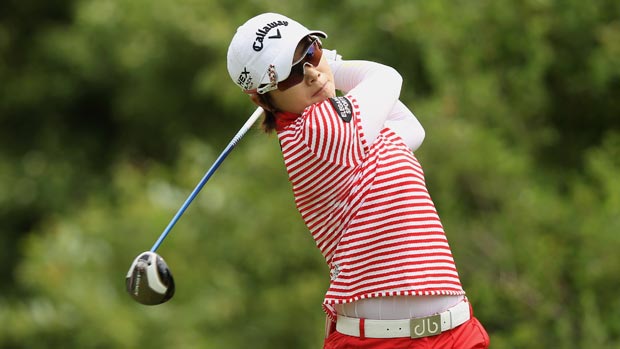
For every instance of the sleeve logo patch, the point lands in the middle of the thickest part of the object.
(343, 108)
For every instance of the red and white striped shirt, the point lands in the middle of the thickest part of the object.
(367, 208)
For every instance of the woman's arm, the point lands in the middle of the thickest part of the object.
(350, 74)
(402, 121)
(376, 88)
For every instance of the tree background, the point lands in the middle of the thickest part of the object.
(112, 110)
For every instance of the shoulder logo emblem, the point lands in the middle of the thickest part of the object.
(343, 107)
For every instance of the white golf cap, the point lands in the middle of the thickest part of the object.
(262, 50)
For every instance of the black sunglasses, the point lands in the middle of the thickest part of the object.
(312, 55)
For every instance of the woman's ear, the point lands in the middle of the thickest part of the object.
(259, 102)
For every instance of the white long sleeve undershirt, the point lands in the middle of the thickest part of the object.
(402, 121)
(376, 88)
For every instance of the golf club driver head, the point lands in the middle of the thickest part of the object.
(149, 280)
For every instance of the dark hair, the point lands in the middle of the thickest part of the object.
(269, 121)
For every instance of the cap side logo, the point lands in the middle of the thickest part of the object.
(245, 79)
(261, 33)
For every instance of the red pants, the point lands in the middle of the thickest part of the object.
(470, 335)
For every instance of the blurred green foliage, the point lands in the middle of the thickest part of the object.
(111, 111)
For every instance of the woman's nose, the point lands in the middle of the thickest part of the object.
(311, 73)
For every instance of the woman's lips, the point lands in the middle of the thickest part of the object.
(320, 90)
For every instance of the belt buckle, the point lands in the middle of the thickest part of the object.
(425, 326)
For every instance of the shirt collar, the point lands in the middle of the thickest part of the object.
(285, 118)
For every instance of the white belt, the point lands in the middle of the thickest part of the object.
(414, 328)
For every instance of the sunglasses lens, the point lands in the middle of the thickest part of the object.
(313, 56)
(294, 78)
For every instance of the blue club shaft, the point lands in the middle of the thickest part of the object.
(242, 131)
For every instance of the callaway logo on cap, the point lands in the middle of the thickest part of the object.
(262, 50)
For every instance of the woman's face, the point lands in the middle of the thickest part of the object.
(317, 85)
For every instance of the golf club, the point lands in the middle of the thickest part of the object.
(149, 280)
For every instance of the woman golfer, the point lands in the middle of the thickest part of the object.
(358, 187)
